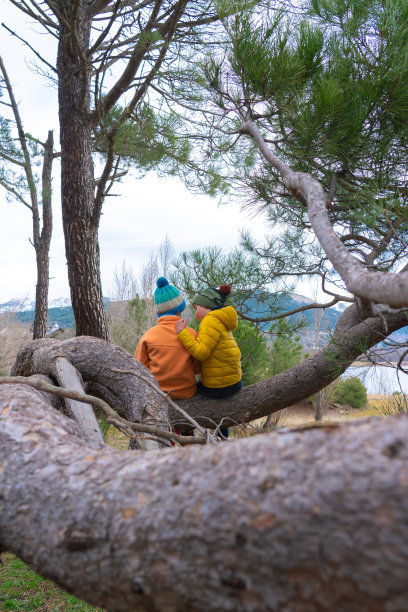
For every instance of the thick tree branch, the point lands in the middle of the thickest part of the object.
(352, 337)
(242, 526)
(95, 359)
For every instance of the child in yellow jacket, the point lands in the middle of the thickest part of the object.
(161, 351)
(214, 346)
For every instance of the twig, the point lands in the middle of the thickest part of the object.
(204, 432)
(113, 417)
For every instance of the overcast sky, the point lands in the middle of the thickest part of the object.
(132, 226)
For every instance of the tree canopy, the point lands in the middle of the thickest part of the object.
(320, 89)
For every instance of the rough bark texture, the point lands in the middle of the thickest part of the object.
(42, 240)
(303, 521)
(94, 359)
(79, 215)
(68, 377)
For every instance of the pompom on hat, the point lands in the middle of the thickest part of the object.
(167, 299)
(212, 298)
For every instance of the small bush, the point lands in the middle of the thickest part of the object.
(351, 392)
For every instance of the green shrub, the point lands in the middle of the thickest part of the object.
(351, 392)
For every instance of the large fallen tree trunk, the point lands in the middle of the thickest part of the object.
(97, 362)
(312, 520)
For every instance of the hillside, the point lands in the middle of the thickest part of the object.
(328, 318)
(62, 316)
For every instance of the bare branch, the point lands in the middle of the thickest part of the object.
(282, 315)
(114, 418)
(173, 405)
(41, 16)
(12, 160)
(50, 66)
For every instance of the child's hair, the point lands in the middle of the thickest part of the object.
(213, 298)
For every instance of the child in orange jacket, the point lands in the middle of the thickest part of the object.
(160, 350)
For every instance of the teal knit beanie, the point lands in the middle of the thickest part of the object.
(212, 298)
(167, 299)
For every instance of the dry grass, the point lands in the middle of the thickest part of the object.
(12, 335)
(303, 414)
(384, 405)
(117, 439)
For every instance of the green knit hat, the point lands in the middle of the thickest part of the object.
(167, 299)
(212, 298)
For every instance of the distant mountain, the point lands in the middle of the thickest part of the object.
(62, 316)
(60, 313)
(21, 305)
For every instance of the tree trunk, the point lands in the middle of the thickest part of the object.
(79, 215)
(42, 248)
(94, 359)
(242, 526)
(42, 242)
(318, 406)
(41, 295)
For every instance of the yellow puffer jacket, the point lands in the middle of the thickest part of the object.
(216, 348)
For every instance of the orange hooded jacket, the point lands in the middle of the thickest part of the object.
(160, 350)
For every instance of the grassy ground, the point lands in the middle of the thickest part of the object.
(23, 589)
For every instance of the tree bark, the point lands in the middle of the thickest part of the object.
(82, 413)
(79, 215)
(94, 359)
(42, 242)
(309, 521)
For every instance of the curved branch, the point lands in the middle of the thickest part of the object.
(379, 287)
(95, 359)
(112, 417)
